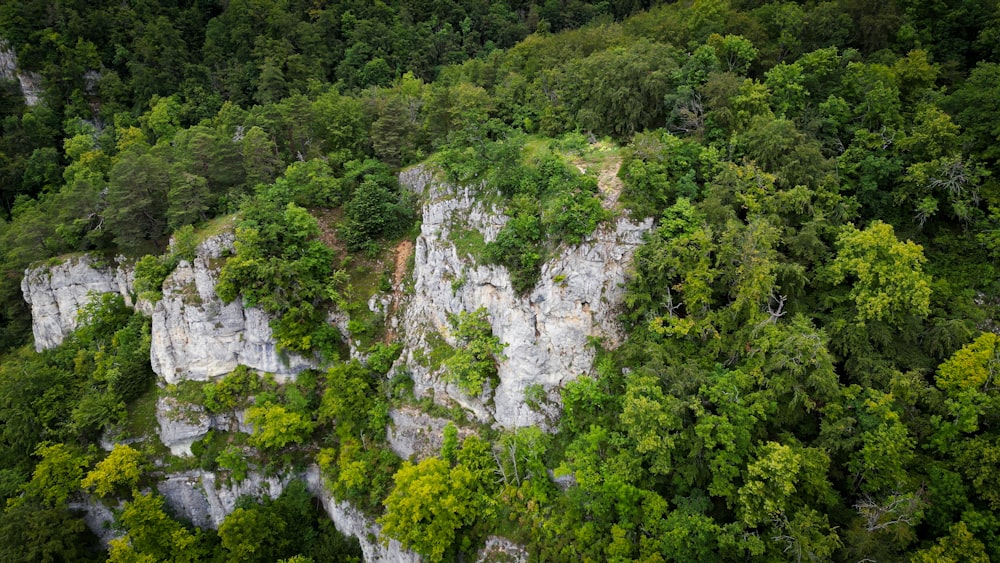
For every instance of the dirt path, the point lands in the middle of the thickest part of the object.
(403, 251)
(607, 179)
(609, 183)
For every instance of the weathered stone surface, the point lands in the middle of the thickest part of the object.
(183, 424)
(184, 495)
(30, 82)
(501, 550)
(545, 332)
(416, 434)
(98, 519)
(352, 522)
(196, 336)
(57, 292)
(201, 498)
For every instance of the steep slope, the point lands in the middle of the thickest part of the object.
(545, 332)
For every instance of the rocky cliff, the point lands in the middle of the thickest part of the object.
(194, 334)
(201, 498)
(57, 292)
(545, 331)
(197, 336)
(29, 82)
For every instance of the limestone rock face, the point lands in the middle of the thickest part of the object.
(30, 82)
(352, 522)
(201, 498)
(56, 293)
(182, 424)
(416, 434)
(545, 332)
(498, 549)
(196, 336)
(98, 518)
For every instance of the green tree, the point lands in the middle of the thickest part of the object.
(137, 198)
(251, 534)
(117, 473)
(260, 157)
(474, 362)
(886, 275)
(350, 399)
(959, 545)
(31, 533)
(57, 476)
(430, 503)
(770, 484)
(275, 427)
(152, 535)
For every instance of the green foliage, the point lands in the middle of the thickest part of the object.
(291, 527)
(888, 279)
(360, 475)
(474, 362)
(377, 209)
(780, 365)
(552, 204)
(275, 427)
(151, 535)
(33, 533)
(232, 391)
(56, 477)
(381, 357)
(351, 401)
(281, 266)
(150, 273)
(430, 503)
(118, 473)
(233, 459)
(657, 169)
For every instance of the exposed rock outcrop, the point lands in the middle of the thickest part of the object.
(98, 518)
(545, 332)
(414, 433)
(30, 82)
(501, 550)
(352, 522)
(196, 336)
(202, 499)
(57, 292)
(182, 424)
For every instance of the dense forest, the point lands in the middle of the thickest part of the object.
(812, 341)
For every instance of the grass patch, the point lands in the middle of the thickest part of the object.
(440, 350)
(468, 242)
(141, 421)
(215, 227)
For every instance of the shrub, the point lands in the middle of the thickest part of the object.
(475, 359)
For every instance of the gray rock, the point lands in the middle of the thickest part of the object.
(415, 434)
(183, 424)
(501, 550)
(184, 495)
(202, 499)
(196, 336)
(545, 333)
(30, 82)
(98, 518)
(352, 522)
(57, 292)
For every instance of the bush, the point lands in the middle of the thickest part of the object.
(283, 267)
(150, 273)
(475, 359)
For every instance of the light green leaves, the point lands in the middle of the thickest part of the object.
(887, 275)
